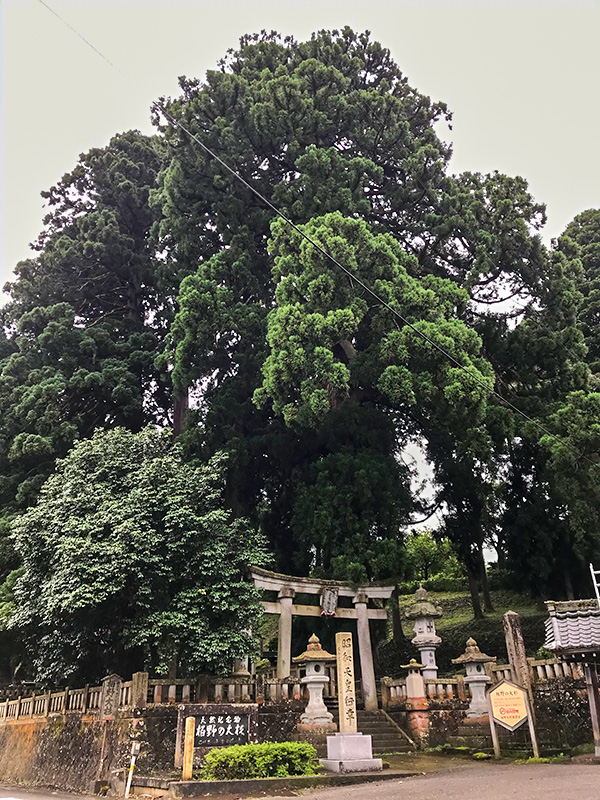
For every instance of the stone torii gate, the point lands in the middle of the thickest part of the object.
(288, 586)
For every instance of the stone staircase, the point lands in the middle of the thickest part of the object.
(385, 734)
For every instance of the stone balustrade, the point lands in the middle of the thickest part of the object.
(260, 688)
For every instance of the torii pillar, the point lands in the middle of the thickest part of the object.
(284, 640)
(365, 652)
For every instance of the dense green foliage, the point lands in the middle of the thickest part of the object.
(84, 321)
(264, 760)
(163, 292)
(584, 231)
(130, 560)
(426, 557)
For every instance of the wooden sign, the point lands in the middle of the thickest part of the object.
(509, 707)
(346, 687)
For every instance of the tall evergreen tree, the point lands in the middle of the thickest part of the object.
(85, 319)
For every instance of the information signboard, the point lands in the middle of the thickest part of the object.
(221, 730)
(509, 707)
(204, 725)
(508, 704)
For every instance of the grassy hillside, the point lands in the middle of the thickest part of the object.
(457, 624)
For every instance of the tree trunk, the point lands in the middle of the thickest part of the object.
(474, 589)
(397, 631)
(180, 407)
(569, 585)
(501, 554)
(485, 586)
(173, 666)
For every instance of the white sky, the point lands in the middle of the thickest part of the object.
(521, 78)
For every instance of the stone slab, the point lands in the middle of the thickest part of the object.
(352, 765)
(350, 752)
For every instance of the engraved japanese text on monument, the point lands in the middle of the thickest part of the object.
(346, 688)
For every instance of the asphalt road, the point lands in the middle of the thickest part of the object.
(479, 782)
(468, 782)
(18, 793)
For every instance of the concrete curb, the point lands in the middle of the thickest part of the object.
(184, 789)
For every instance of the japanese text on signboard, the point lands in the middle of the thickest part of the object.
(508, 705)
(221, 730)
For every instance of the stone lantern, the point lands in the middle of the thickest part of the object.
(476, 677)
(426, 641)
(315, 659)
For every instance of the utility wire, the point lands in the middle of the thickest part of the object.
(317, 246)
(83, 39)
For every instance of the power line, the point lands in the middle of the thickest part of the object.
(317, 246)
(83, 39)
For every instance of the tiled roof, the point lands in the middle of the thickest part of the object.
(573, 626)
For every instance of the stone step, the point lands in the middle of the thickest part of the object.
(385, 736)
(390, 744)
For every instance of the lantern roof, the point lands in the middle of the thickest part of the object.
(314, 652)
(412, 664)
(473, 654)
(422, 607)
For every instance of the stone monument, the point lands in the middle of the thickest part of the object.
(348, 750)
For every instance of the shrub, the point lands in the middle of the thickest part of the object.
(583, 749)
(561, 758)
(265, 760)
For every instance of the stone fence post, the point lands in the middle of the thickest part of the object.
(139, 689)
(417, 704)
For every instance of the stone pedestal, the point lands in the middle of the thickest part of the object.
(417, 704)
(316, 711)
(350, 752)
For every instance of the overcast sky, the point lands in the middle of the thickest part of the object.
(520, 77)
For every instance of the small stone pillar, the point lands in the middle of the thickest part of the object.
(284, 642)
(425, 640)
(415, 685)
(476, 678)
(417, 705)
(316, 715)
(111, 695)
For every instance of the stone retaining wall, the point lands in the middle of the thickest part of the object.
(73, 751)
